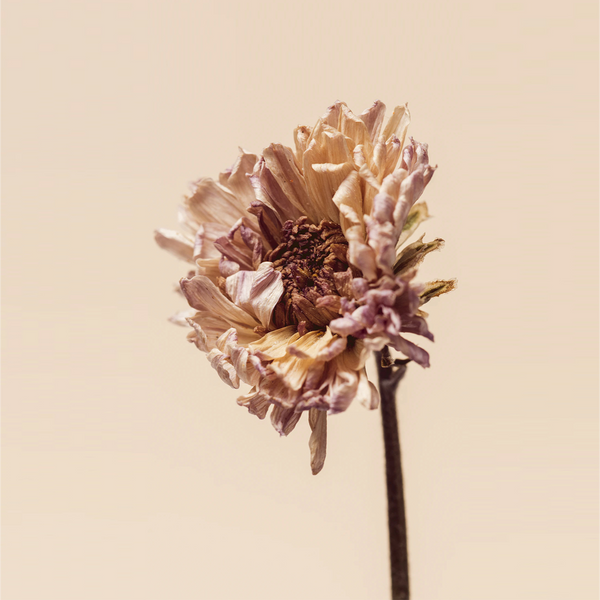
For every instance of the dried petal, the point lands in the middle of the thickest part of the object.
(318, 439)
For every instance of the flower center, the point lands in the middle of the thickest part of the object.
(308, 257)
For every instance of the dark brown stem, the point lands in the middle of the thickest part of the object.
(390, 374)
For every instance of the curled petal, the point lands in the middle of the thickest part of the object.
(206, 236)
(275, 343)
(348, 199)
(258, 292)
(236, 178)
(268, 221)
(343, 391)
(213, 202)
(256, 402)
(203, 295)
(393, 151)
(301, 138)
(269, 191)
(281, 162)
(366, 393)
(411, 350)
(373, 119)
(284, 419)
(398, 123)
(219, 361)
(354, 127)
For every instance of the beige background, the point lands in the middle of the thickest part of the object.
(129, 473)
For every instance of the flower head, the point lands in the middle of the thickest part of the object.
(300, 268)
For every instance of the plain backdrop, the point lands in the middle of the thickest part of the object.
(129, 472)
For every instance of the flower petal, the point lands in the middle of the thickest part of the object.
(203, 295)
(236, 178)
(224, 368)
(354, 127)
(373, 119)
(268, 191)
(213, 202)
(348, 199)
(411, 350)
(206, 236)
(301, 138)
(284, 419)
(366, 393)
(274, 344)
(256, 402)
(257, 292)
(398, 123)
(282, 164)
(318, 439)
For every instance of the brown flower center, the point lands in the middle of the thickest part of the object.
(308, 257)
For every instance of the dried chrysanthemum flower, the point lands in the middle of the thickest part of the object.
(300, 268)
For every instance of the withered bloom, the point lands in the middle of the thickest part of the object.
(300, 268)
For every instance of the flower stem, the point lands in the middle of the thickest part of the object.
(390, 374)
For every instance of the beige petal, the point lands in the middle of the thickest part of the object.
(236, 178)
(373, 119)
(209, 327)
(209, 267)
(301, 137)
(266, 291)
(292, 369)
(269, 192)
(353, 358)
(199, 337)
(328, 145)
(348, 199)
(335, 347)
(310, 344)
(371, 185)
(203, 295)
(213, 202)
(378, 161)
(393, 153)
(204, 244)
(175, 243)
(332, 115)
(327, 347)
(219, 361)
(323, 180)
(353, 127)
(274, 344)
(256, 402)
(398, 123)
(318, 439)
(238, 357)
(342, 391)
(257, 292)
(284, 419)
(281, 163)
(366, 393)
